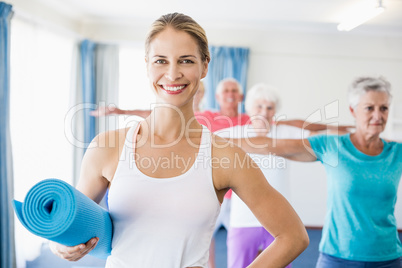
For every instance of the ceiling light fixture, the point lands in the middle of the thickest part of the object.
(360, 16)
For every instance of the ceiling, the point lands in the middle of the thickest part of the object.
(313, 14)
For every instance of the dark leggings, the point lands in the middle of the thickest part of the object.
(327, 261)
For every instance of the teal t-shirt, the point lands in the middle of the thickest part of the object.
(362, 190)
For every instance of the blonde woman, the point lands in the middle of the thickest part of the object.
(169, 174)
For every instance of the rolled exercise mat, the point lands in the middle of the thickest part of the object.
(55, 210)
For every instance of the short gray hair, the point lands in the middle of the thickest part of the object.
(261, 91)
(219, 87)
(363, 84)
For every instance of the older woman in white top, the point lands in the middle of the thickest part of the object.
(246, 236)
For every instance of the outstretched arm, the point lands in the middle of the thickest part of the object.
(293, 149)
(273, 211)
(342, 129)
(111, 110)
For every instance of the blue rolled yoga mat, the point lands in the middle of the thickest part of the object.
(55, 210)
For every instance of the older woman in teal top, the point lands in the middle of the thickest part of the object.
(363, 173)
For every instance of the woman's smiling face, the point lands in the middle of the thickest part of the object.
(175, 67)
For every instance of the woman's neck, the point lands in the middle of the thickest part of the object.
(172, 123)
(366, 143)
(229, 112)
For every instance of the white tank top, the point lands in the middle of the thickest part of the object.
(164, 222)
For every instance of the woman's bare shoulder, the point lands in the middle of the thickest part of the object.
(222, 147)
(107, 145)
(109, 139)
(227, 161)
(102, 155)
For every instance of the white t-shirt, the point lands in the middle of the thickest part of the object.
(275, 169)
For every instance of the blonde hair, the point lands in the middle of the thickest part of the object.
(180, 22)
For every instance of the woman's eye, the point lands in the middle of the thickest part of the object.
(369, 108)
(187, 61)
(384, 108)
(160, 61)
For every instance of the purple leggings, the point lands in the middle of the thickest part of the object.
(245, 243)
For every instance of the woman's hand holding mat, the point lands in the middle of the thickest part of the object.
(74, 253)
(55, 210)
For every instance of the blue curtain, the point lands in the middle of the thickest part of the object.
(225, 62)
(99, 68)
(7, 253)
(87, 51)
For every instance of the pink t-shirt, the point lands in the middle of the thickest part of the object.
(215, 121)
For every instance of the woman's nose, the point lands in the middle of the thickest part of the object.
(264, 112)
(377, 114)
(173, 72)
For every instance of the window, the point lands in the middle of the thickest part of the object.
(40, 75)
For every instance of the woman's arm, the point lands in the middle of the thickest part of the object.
(97, 169)
(112, 110)
(342, 129)
(273, 211)
(293, 149)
